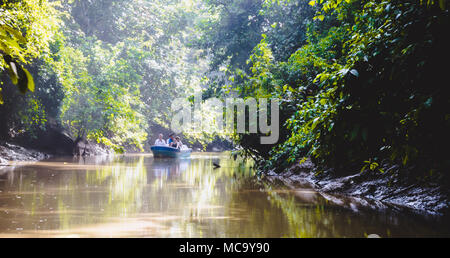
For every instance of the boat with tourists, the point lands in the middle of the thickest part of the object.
(172, 148)
(170, 152)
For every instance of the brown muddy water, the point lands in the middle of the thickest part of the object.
(138, 196)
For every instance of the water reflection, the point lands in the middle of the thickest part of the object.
(138, 196)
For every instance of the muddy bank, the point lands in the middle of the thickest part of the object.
(369, 189)
(11, 153)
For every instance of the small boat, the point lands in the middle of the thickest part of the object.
(169, 152)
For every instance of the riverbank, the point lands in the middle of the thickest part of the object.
(11, 153)
(370, 189)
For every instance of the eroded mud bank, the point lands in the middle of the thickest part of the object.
(369, 189)
(11, 154)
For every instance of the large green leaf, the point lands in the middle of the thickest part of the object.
(30, 81)
(19, 75)
(12, 70)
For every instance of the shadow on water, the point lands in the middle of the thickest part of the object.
(138, 196)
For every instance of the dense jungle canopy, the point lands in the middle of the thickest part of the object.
(361, 83)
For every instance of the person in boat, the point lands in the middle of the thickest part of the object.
(160, 141)
(172, 141)
(179, 144)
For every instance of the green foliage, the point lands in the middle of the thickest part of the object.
(366, 86)
(381, 97)
(103, 100)
(37, 20)
(33, 116)
(105, 70)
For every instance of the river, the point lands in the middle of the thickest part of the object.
(139, 196)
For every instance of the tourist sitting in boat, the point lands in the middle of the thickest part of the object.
(171, 141)
(160, 141)
(179, 144)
